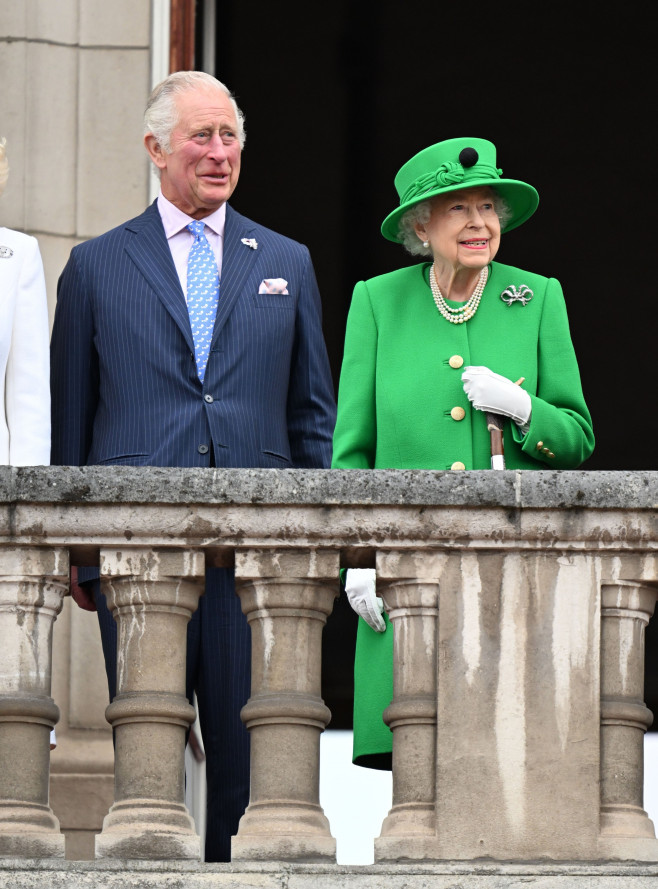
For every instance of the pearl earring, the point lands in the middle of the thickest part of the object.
(426, 244)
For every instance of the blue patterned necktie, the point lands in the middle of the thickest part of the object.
(202, 294)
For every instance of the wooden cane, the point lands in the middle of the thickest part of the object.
(495, 424)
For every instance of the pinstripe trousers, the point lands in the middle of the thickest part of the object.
(222, 686)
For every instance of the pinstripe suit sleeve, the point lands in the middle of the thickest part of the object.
(311, 401)
(73, 368)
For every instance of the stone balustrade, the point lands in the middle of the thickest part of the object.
(519, 602)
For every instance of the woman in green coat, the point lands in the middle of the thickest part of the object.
(431, 348)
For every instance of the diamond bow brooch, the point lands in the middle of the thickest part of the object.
(511, 295)
(6, 252)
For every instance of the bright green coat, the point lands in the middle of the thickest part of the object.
(400, 380)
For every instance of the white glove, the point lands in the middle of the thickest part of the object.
(360, 589)
(488, 391)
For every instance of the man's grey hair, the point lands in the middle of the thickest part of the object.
(420, 213)
(4, 166)
(161, 114)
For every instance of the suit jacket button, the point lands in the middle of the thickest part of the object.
(203, 449)
(458, 413)
(457, 465)
(208, 398)
(455, 361)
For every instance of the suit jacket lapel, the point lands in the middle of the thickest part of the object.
(150, 252)
(237, 261)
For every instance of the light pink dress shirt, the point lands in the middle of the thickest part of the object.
(180, 238)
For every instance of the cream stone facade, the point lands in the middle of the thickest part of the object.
(75, 76)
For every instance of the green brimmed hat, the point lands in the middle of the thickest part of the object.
(451, 166)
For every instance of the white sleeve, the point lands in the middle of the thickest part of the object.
(27, 383)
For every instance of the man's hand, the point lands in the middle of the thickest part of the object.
(79, 594)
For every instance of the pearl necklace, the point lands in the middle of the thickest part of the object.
(466, 311)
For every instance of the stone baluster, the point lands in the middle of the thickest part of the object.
(286, 596)
(33, 582)
(408, 583)
(152, 594)
(625, 828)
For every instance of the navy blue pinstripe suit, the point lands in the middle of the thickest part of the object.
(125, 391)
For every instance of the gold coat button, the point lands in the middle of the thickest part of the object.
(456, 361)
(540, 445)
(458, 465)
(458, 413)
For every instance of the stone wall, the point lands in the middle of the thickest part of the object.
(75, 77)
(519, 602)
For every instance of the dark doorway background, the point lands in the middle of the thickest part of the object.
(338, 95)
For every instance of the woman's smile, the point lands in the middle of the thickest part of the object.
(475, 244)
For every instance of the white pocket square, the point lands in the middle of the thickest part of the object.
(273, 285)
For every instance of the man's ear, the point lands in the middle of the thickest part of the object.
(156, 153)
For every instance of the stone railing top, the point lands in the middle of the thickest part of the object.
(485, 489)
(358, 512)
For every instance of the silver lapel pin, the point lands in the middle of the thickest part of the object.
(250, 242)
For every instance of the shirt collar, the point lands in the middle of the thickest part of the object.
(175, 221)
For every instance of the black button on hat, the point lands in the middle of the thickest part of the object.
(468, 157)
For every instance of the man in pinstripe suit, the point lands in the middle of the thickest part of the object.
(128, 389)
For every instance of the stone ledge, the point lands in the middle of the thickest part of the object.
(34, 874)
(563, 489)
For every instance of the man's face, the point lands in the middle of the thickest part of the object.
(203, 165)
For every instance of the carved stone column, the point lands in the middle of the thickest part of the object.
(152, 594)
(33, 582)
(286, 596)
(626, 829)
(408, 583)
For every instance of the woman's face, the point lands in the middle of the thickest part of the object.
(463, 230)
